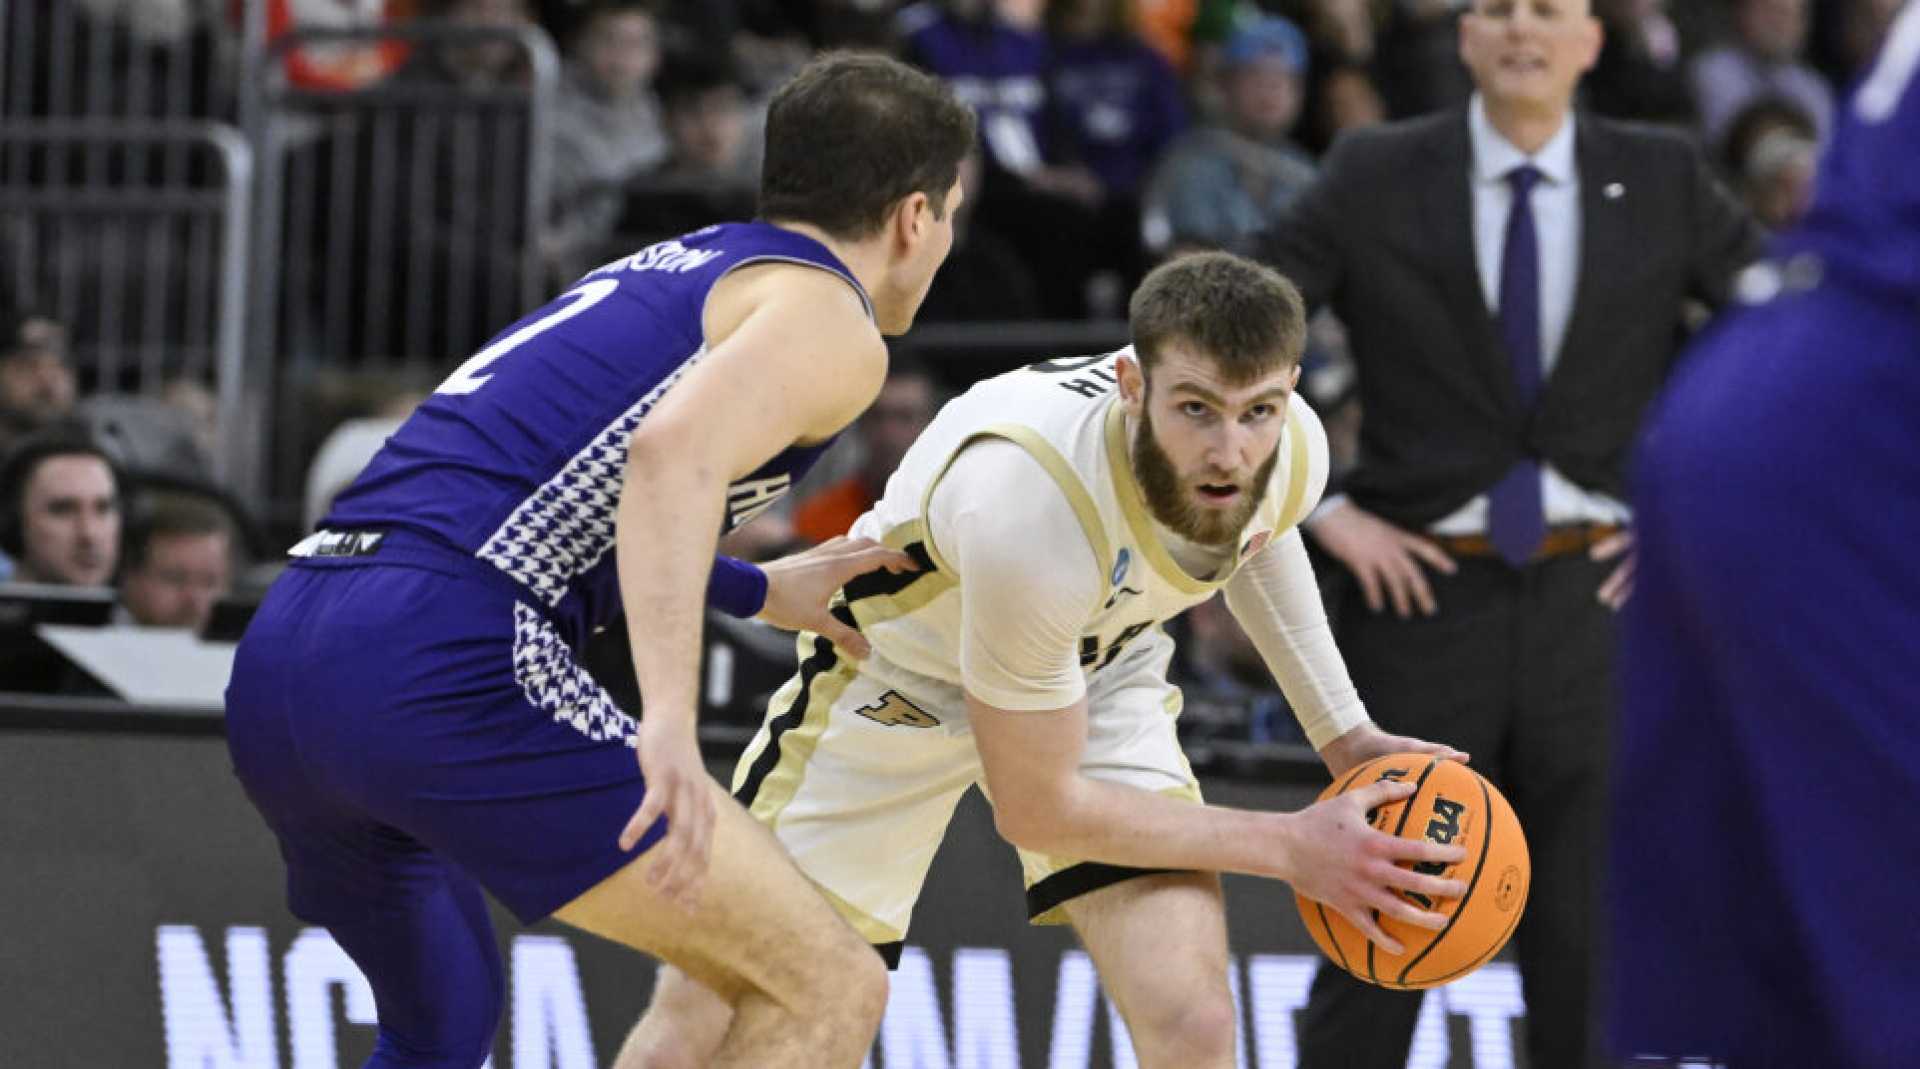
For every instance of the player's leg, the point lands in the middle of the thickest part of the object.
(684, 1025)
(1159, 943)
(416, 926)
(433, 964)
(1158, 939)
(802, 987)
(859, 790)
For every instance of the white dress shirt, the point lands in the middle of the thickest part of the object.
(1556, 221)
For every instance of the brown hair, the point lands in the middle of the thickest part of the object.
(851, 135)
(1245, 317)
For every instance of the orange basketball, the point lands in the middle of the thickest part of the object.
(1454, 804)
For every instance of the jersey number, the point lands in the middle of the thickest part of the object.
(468, 378)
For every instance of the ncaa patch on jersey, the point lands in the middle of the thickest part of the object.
(1120, 565)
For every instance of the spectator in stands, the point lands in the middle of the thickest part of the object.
(994, 66)
(714, 133)
(904, 408)
(1116, 101)
(37, 385)
(1641, 73)
(1770, 156)
(473, 64)
(179, 561)
(996, 60)
(607, 128)
(1763, 59)
(60, 510)
(1223, 182)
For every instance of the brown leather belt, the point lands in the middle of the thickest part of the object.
(1559, 542)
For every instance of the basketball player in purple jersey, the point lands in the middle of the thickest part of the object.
(1764, 848)
(406, 710)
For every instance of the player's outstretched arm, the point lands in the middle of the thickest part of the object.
(798, 361)
(1327, 852)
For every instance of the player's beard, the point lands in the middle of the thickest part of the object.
(1171, 500)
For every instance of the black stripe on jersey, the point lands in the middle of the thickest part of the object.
(883, 583)
(811, 669)
(1076, 880)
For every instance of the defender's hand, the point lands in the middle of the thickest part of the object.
(800, 587)
(1383, 557)
(1337, 859)
(1366, 742)
(679, 789)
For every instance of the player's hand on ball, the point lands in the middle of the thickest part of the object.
(679, 789)
(1366, 742)
(1338, 859)
(801, 587)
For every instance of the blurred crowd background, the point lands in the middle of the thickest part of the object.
(239, 239)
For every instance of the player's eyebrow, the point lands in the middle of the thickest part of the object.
(1201, 392)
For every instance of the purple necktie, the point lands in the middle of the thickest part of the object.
(1516, 522)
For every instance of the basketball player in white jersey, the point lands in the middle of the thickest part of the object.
(1060, 514)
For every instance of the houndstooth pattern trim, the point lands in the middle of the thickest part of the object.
(566, 526)
(556, 684)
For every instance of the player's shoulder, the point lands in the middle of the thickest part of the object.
(1303, 480)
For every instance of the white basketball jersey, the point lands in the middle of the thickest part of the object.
(1066, 414)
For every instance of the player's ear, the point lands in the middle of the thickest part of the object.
(1133, 382)
(912, 219)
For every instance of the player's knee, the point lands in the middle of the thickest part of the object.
(456, 1032)
(1197, 1025)
(854, 987)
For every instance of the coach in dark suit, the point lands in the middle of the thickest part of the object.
(1513, 278)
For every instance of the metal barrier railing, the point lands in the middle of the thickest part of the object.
(72, 59)
(134, 234)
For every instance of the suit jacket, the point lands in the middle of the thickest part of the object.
(1385, 238)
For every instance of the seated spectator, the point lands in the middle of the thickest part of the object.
(712, 172)
(1763, 59)
(1222, 183)
(37, 385)
(607, 128)
(179, 561)
(1117, 102)
(1770, 156)
(60, 493)
(904, 408)
(714, 130)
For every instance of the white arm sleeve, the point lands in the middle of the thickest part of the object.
(1028, 580)
(1276, 600)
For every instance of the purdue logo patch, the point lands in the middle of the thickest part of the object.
(893, 710)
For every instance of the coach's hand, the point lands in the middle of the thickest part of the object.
(1619, 584)
(1366, 742)
(800, 588)
(1336, 858)
(679, 789)
(1383, 557)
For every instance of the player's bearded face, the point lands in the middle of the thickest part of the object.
(1178, 500)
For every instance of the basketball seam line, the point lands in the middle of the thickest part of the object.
(1486, 847)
